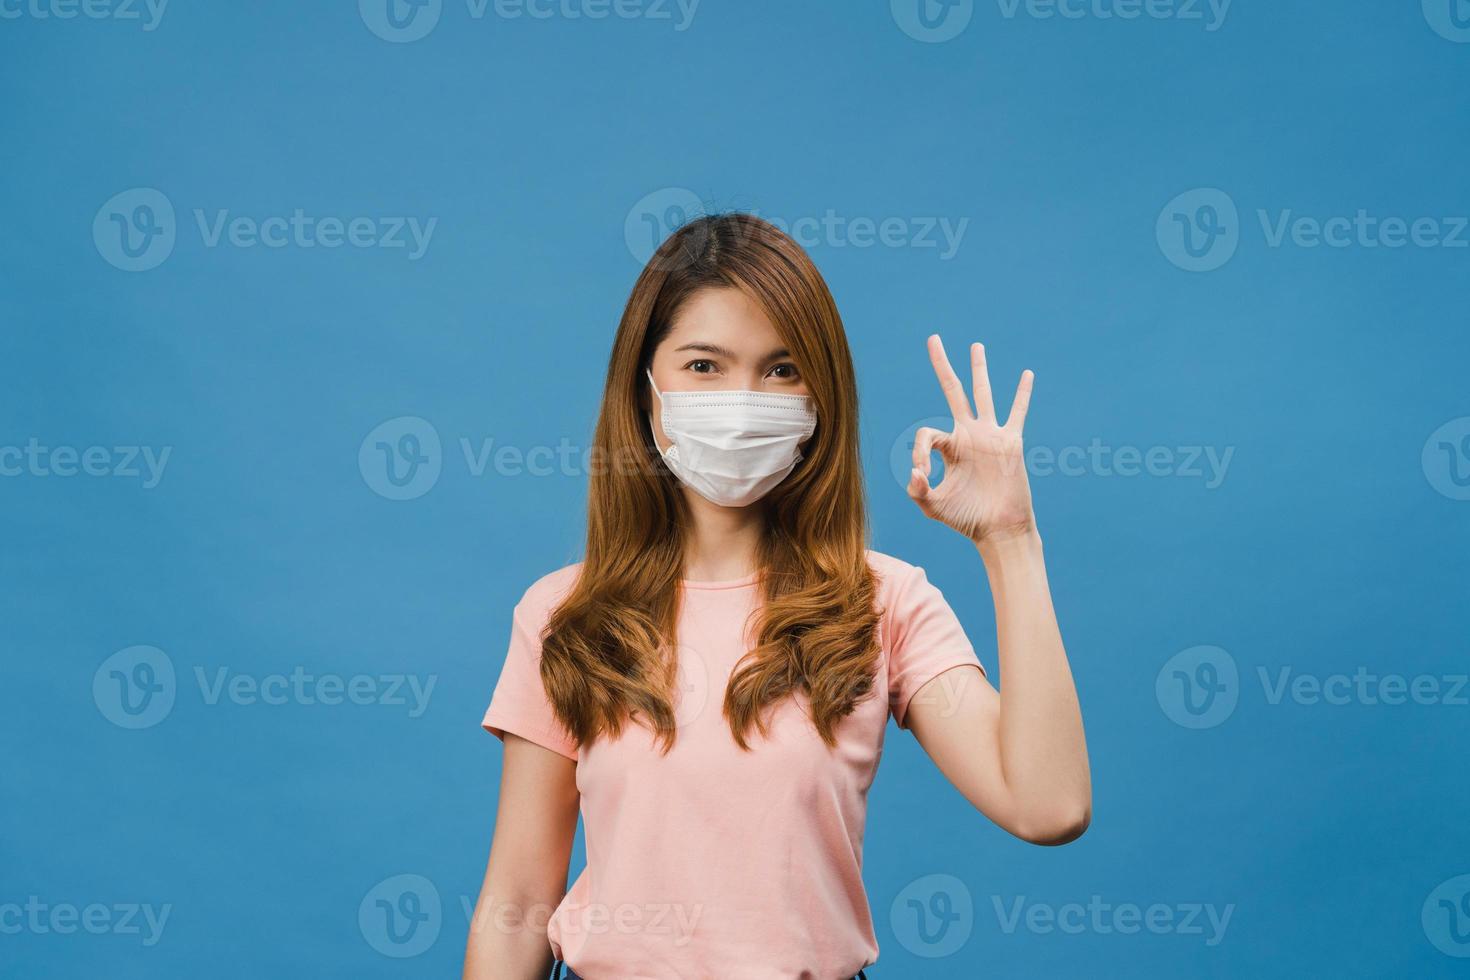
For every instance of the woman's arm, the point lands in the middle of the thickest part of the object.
(1019, 755)
(527, 874)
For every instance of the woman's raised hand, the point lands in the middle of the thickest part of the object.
(984, 494)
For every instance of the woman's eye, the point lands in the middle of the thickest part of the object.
(785, 372)
(701, 366)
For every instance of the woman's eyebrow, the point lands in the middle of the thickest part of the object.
(707, 348)
(725, 352)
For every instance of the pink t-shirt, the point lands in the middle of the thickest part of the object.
(713, 862)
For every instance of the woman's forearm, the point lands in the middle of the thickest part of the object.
(1042, 747)
(507, 943)
(526, 875)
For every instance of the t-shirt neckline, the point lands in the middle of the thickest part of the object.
(734, 583)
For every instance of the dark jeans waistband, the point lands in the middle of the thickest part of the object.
(563, 972)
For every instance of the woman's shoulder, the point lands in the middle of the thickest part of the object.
(547, 591)
(889, 565)
(892, 573)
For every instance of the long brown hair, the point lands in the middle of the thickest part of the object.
(607, 650)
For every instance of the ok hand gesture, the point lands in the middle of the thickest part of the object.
(985, 494)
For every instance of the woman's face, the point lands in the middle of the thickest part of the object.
(722, 341)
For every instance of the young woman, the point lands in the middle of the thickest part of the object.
(712, 683)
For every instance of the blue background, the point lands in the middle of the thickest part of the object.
(1328, 546)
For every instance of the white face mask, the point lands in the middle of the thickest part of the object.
(733, 447)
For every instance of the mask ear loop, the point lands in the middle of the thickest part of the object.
(652, 430)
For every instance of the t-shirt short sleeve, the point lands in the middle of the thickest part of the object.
(925, 638)
(520, 705)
